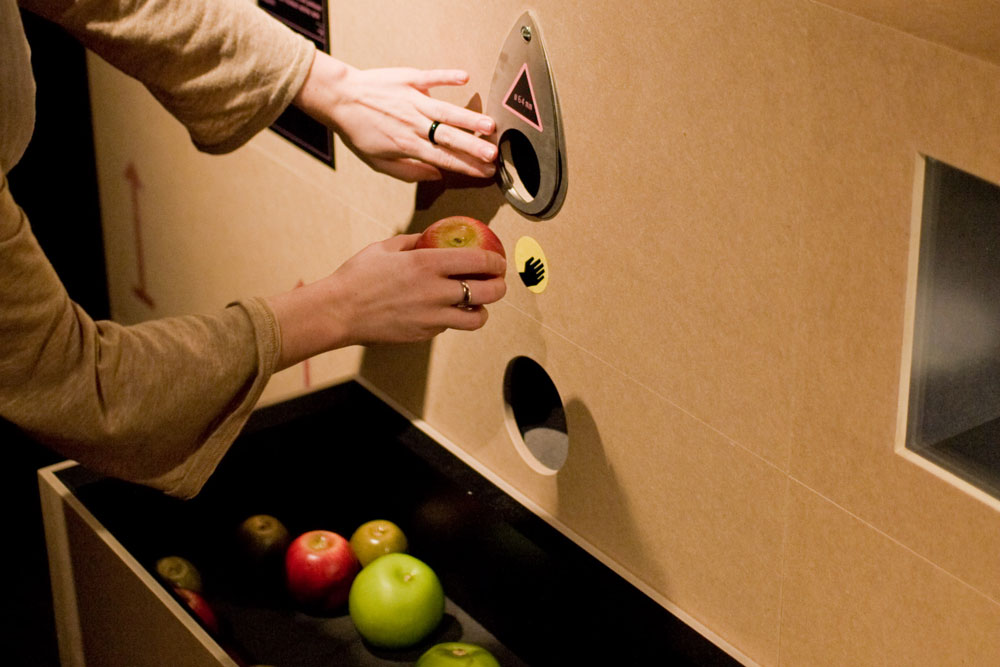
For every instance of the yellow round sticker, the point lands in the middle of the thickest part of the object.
(531, 265)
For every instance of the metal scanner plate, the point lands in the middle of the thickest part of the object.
(523, 102)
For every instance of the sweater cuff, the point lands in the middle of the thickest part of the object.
(204, 462)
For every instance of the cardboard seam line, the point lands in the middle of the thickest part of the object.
(732, 441)
(774, 466)
(896, 29)
(786, 531)
(986, 596)
(317, 183)
(273, 156)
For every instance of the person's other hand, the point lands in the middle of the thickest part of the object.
(384, 116)
(388, 293)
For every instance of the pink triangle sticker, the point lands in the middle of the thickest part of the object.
(520, 99)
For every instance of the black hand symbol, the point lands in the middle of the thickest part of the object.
(534, 272)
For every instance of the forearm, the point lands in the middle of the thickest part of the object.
(309, 321)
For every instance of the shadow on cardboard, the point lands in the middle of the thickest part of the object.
(588, 485)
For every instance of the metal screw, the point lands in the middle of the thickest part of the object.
(526, 32)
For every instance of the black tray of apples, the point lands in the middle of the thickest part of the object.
(330, 465)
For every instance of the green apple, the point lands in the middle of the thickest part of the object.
(377, 538)
(457, 654)
(179, 572)
(396, 601)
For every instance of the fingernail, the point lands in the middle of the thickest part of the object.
(490, 154)
(486, 126)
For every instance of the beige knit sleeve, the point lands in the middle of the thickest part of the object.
(157, 403)
(224, 68)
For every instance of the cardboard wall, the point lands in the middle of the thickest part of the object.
(728, 304)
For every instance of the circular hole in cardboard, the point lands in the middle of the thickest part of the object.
(520, 168)
(536, 418)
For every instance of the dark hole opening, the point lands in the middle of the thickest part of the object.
(538, 411)
(520, 163)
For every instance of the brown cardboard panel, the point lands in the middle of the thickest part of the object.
(884, 99)
(970, 26)
(213, 228)
(691, 514)
(131, 128)
(442, 34)
(679, 224)
(128, 623)
(853, 596)
(727, 290)
(384, 201)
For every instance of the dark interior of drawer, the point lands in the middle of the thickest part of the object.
(339, 457)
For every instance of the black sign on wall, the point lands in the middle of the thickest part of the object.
(308, 18)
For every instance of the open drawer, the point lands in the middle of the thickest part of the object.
(335, 459)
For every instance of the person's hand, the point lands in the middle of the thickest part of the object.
(388, 293)
(384, 116)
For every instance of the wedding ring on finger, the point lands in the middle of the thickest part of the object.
(430, 132)
(466, 301)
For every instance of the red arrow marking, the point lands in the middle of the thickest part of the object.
(132, 175)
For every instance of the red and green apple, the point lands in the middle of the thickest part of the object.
(459, 231)
(377, 538)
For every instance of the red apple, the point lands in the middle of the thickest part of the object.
(319, 570)
(200, 608)
(459, 231)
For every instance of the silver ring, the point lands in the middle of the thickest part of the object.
(430, 132)
(466, 301)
